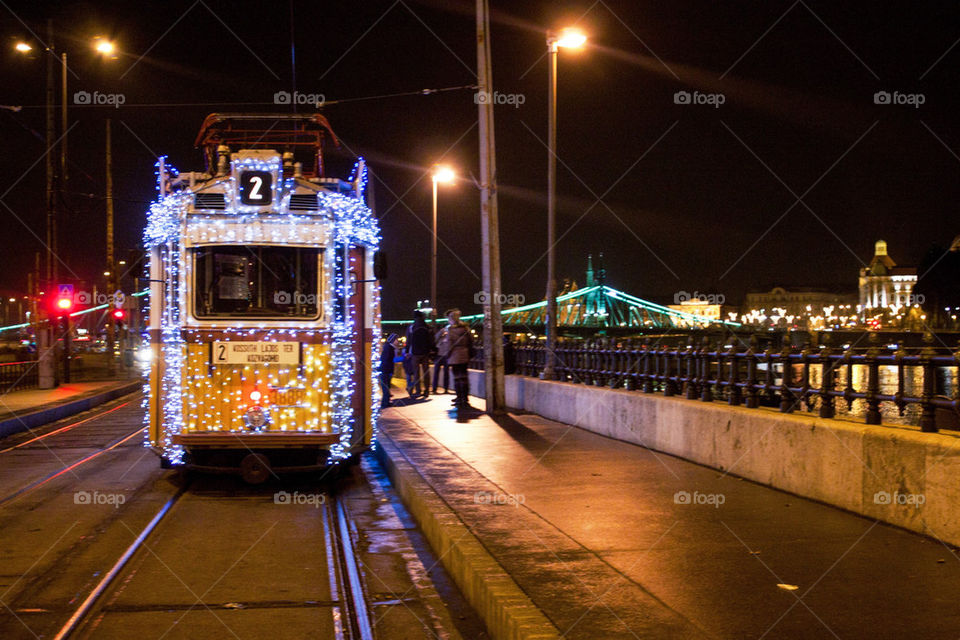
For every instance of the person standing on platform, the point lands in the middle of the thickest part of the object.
(419, 346)
(458, 356)
(443, 350)
(388, 357)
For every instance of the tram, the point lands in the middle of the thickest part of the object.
(264, 312)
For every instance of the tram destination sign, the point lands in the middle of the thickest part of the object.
(256, 353)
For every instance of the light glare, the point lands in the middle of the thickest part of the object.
(444, 174)
(104, 46)
(571, 38)
(23, 47)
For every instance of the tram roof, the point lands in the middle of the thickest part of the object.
(280, 131)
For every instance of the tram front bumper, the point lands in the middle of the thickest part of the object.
(259, 440)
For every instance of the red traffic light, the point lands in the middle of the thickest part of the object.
(118, 314)
(64, 304)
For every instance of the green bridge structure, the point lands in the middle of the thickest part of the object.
(596, 307)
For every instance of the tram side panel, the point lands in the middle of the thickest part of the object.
(362, 336)
(157, 282)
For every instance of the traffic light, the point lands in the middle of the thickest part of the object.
(64, 304)
(118, 317)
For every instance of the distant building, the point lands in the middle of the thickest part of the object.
(798, 301)
(884, 285)
(706, 309)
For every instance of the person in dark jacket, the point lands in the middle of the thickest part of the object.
(388, 357)
(443, 350)
(459, 345)
(419, 345)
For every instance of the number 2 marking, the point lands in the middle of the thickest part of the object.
(222, 354)
(255, 191)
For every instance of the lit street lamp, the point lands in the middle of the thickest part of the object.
(442, 174)
(102, 46)
(571, 39)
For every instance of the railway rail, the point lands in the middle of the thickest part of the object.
(350, 602)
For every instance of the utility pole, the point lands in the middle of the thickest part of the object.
(433, 260)
(549, 369)
(63, 120)
(489, 222)
(51, 202)
(111, 267)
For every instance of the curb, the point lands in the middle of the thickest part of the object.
(504, 607)
(28, 421)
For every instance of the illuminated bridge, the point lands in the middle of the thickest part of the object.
(598, 306)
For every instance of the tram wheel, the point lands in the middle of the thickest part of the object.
(255, 468)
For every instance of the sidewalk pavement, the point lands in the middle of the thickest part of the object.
(611, 540)
(22, 410)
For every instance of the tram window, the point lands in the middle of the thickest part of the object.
(257, 282)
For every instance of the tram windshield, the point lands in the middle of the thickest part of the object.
(256, 282)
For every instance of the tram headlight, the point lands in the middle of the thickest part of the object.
(256, 418)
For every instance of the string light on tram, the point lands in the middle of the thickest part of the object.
(354, 225)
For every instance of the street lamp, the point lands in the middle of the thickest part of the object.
(101, 45)
(104, 46)
(568, 38)
(442, 174)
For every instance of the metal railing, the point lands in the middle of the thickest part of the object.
(18, 375)
(788, 378)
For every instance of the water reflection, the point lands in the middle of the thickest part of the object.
(945, 384)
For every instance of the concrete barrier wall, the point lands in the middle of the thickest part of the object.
(895, 474)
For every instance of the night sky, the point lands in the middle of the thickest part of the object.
(677, 196)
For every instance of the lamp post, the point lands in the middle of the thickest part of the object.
(571, 39)
(442, 174)
(101, 46)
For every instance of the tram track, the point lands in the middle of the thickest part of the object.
(85, 607)
(189, 554)
(354, 596)
(72, 466)
(64, 429)
(349, 603)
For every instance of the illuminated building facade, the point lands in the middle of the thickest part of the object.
(884, 285)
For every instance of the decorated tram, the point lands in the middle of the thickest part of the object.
(264, 313)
